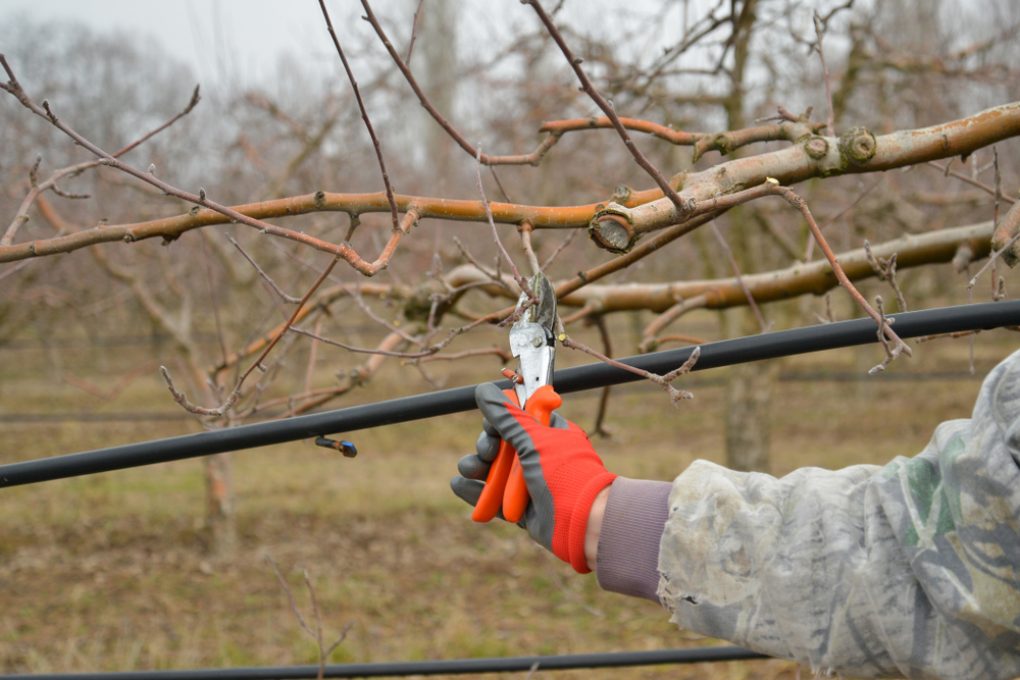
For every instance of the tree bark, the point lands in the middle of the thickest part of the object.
(219, 516)
(749, 389)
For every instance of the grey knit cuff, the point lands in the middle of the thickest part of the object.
(628, 553)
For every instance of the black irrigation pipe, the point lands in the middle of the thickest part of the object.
(714, 354)
(558, 662)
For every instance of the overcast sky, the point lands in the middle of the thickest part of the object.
(242, 38)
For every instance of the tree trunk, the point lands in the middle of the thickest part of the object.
(749, 389)
(748, 415)
(219, 496)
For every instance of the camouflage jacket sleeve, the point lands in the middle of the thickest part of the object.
(908, 569)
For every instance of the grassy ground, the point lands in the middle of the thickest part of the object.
(111, 572)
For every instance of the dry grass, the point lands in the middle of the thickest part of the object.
(111, 573)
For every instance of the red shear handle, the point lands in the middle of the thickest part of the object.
(540, 406)
(495, 482)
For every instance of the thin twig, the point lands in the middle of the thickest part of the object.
(820, 27)
(499, 184)
(214, 298)
(359, 300)
(995, 255)
(525, 288)
(945, 170)
(684, 208)
(427, 352)
(414, 31)
(364, 115)
(232, 398)
(313, 354)
(265, 277)
(73, 170)
(290, 597)
(892, 342)
(663, 381)
(503, 354)
(762, 323)
(493, 275)
(599, 429)
(525, 230)
(559, 249)
(649, 339)
(343, 251)
(317, 633)
(885, 269)
(14, 269)
(809, 249)
(533, 158)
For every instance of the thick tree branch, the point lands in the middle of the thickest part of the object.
(342, 251)
(814, 278)
(170, 228)
(856, 151)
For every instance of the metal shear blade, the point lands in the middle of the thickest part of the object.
(532, 339)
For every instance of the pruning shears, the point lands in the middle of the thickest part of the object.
(532, 341)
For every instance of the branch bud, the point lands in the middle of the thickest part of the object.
(816, 147)
(857, 146)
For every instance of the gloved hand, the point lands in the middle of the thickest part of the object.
(561, 469)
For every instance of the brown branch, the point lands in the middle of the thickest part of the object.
(235, 393)
(265, 277)
(820, 27)
(170, 228)
(856, 151)
(353, 378)
(502, 354)
(342, 251)
(728, 252)
(649, 339)
(414, 31)
(1004, 237)
(521, 283)
(681, 338)
(885, 269)
(642, 250)
(529, 251)
(893, 344)
(598, 429)
(703, 142)
(815, 278)
(364, 115)
(533, 158)
(663, 381)
(38, 188)
(683, 208)
(947, 171)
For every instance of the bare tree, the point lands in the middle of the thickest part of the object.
(771, 140)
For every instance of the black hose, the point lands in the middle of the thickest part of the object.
(714, 354)
(556, 662)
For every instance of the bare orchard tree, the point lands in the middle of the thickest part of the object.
(717, 156)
